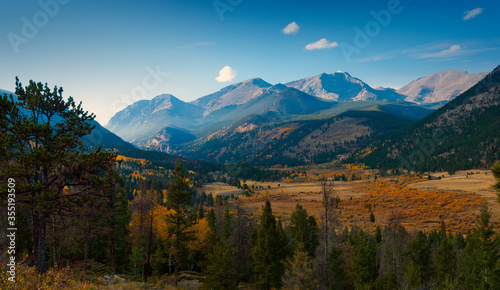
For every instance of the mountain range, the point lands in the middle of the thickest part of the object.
(170, 125)
(318, 119)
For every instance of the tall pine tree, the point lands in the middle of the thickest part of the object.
(269, 250)
(181, 219)
(41, 148)
(304, 230)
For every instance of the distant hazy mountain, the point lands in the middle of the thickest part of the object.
(5, 92)
(193, 129)
(147, 117)
(279, 99)
(235, 94)
(341, 86)
(440, 87)
(99, 136)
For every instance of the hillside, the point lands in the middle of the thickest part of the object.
(263, 141)
(463, 134)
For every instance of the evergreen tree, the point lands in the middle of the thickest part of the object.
(180, 221)
(479, 257)
(119, 229)
(496, 173)
(226, 224)
(446, 262)
(299, 273)
(393, 251)
(42, 150)
(221, 268)
(241, 239)
(304, 230)
(364, 261)
(378, 235)
(212, 236)
(269, 250)
(337, 267)
(419, 252)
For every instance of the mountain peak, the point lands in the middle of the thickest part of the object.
(439, 87)
(341, 86)
(235, 94)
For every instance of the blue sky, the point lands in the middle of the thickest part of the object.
(109, 54)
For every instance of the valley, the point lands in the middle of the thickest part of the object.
(226, 144)
(421, 203)
(323, 175)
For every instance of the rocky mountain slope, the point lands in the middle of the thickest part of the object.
(463, 134)
(145, 118)
(439, 87)
(235, 94)
(341, 86)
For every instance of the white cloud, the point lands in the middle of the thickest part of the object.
(291, 28)
(321, 44)
(445, 51)
(454, 50)
(469, 14)
(226, 74)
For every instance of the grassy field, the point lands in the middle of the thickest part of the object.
(217, 188)
(422, 203)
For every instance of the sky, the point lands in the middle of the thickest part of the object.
(109, 54)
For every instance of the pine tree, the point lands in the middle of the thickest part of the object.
(304, 230)
(496, 173)
(269, 250)
(119, 229)
(180, 221)
(446, 262)
(364, 270)
(337, 267)
(226, 224)
(479, 257)
(221, 268)
(299, 272)
(41, 148)
(419, 251)
(378, 235)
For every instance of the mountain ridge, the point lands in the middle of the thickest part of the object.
(148, 124)
(463, 134)
(439, 87)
